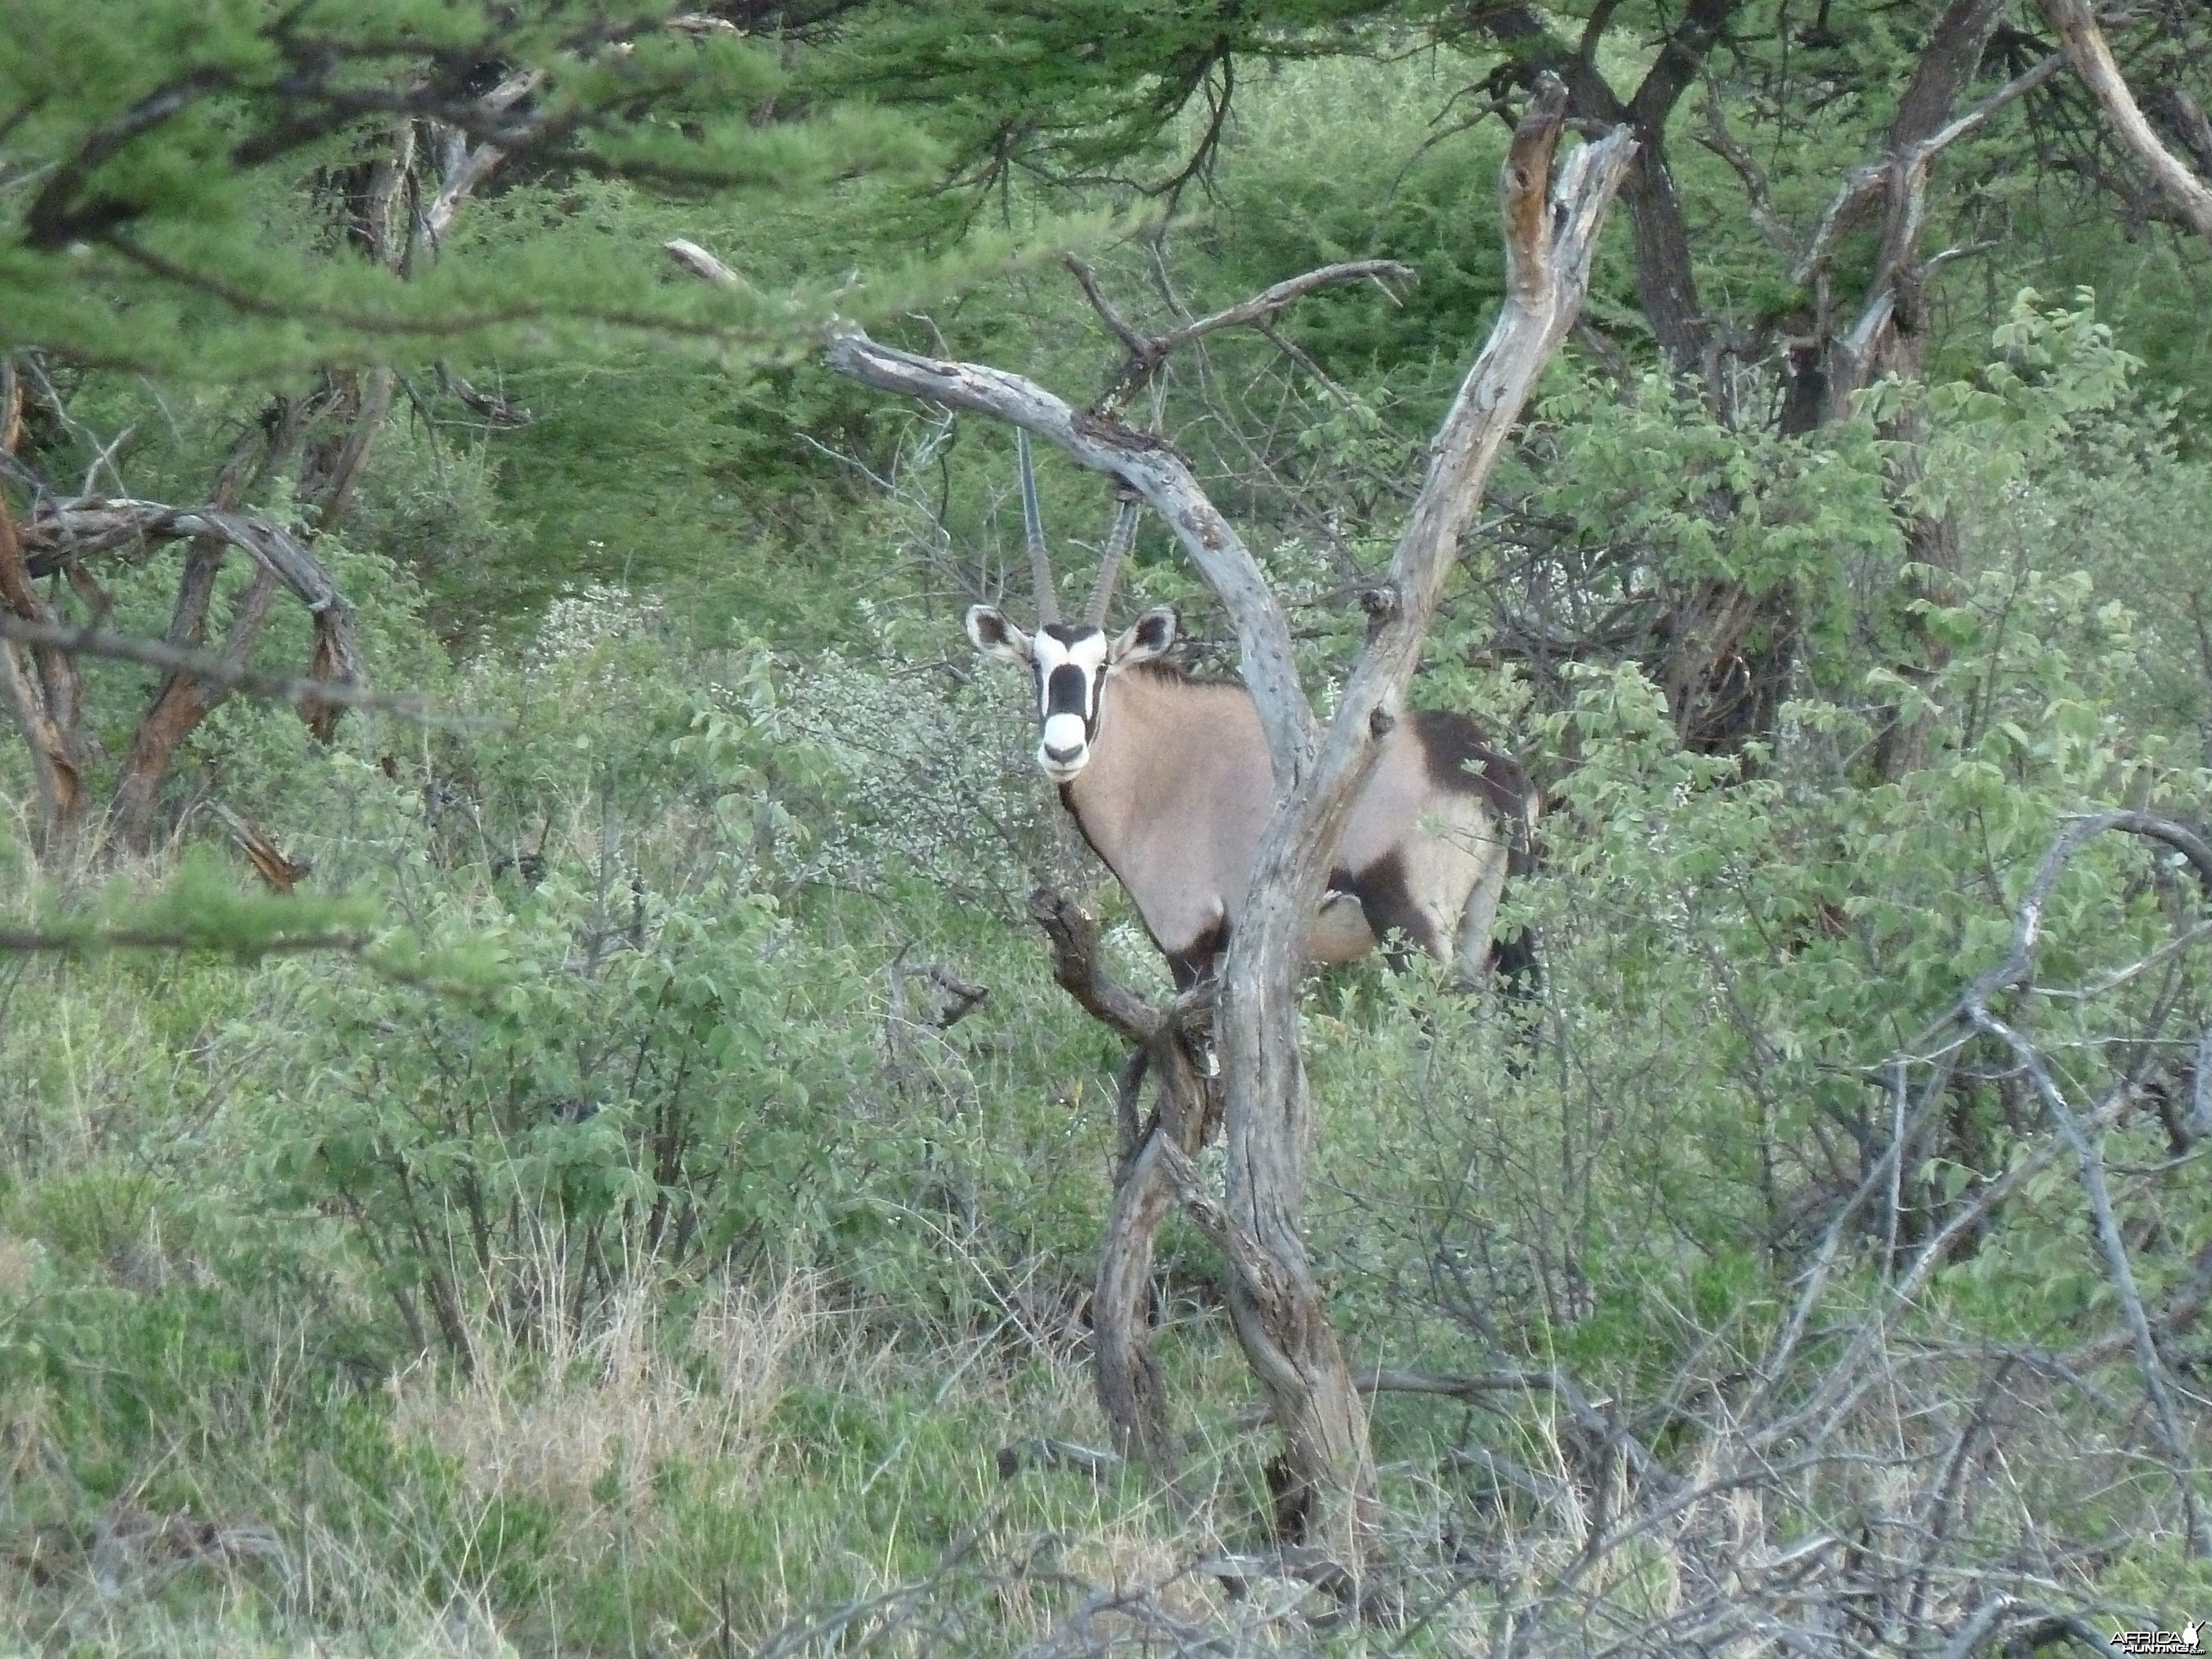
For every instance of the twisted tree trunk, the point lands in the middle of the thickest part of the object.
(1280, 1316)
(1131, 1391)
(1551, 233)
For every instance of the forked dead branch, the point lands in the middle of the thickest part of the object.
(1551, 215)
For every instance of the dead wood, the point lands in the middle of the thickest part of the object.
(1047, 1453)
(1154, 471)
(2092, 58)
(1132, 1393)
(1666, 277)
(1551, 230)
(2084, 1137)
(1279, 1314)
(279, 871)
(1072, 933)
(39, 685)
(218, 670)
(66, 532)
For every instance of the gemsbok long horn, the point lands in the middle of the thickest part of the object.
(1109, 563)
(1048, 596)
(1125, 529)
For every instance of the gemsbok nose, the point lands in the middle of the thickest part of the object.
(1062, 741)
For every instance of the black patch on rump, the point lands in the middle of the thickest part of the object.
(1386, 898)
(1459, 761)
(1190, 964)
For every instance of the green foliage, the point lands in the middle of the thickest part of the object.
(619, 1245)
(1741, 953)
(1701, 502)
(1297, 200)
(652, 1090)
(1074, 87)
(201, 907)
(630, 1101)
(156, 145)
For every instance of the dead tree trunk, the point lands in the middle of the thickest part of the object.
(41, 688)
(1280, 1316)
(1281, 1319)
(1131, 1393)
(2092, 58)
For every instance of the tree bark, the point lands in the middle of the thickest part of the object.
(1154, 471)
(40, 689)
(183, 701)
(1280, 1316)
(2093, 61)
(68, 532)
(1885, 336)
(1131, 1391)
(1666, 278)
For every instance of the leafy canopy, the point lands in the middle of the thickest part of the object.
(152, 152)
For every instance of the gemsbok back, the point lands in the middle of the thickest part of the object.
(1167, 776)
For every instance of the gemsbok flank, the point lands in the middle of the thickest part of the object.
(1167, 776)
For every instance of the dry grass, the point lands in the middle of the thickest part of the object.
(583, 1419)
(18, 1262)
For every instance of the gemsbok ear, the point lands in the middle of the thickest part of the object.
(1147, 637)
(994, 636)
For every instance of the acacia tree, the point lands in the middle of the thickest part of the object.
(1551, 215)
(1775, 310)
(266, 198)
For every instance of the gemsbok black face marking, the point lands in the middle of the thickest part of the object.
(1168, 779)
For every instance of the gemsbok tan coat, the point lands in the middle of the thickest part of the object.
(1167, 776)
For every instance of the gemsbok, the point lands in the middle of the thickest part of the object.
(1167, 775)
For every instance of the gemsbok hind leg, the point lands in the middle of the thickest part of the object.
(1481, 954)
(1472, 953)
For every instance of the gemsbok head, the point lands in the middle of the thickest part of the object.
(1167, 776)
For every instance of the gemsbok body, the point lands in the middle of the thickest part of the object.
(1167, 776)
